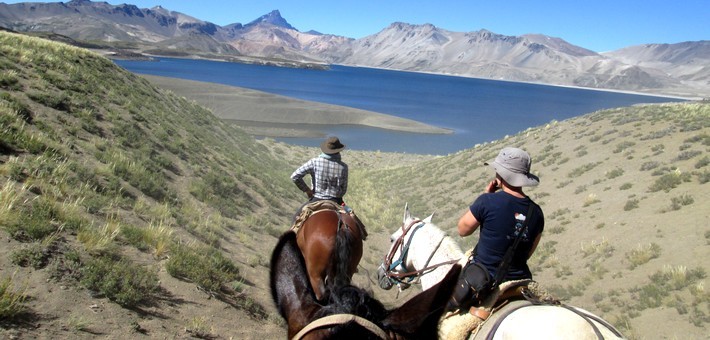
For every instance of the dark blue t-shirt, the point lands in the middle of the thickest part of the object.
(496, 212)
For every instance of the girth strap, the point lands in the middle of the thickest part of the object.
(341, 319)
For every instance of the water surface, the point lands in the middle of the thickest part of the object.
(477, 110)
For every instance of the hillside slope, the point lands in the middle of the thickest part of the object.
(125, 208)
(624, 193)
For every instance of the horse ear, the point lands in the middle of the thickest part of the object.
(290, 288)
(428, 219)
(407, 216)
(419, 317)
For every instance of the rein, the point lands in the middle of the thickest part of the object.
(389, 265)
(340, 319)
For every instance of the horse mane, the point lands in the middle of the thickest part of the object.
(353, 300)
(448, 245)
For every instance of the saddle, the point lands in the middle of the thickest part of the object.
(461, 324)
(327, 205)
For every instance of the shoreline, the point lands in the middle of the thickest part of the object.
(687, 96)
(669, 96)
(271, 115)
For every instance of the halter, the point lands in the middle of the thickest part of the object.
(407, 277)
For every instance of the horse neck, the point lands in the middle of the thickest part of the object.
(432, 240)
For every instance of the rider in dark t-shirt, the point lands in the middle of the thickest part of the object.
(496, 210)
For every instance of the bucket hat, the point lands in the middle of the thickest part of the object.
(332, 145)
(513, 165)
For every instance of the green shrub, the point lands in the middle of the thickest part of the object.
(680, 201)
(685, 155)
(21, 109)
(206, 267)
(66, 266)
(704, 177)
(34, 255)
(36, 221)
(702, 162)
(12, 299)
(614, 173)
(582, 169)
(631, 204)
(669, 181)
(626, 186)
(556, 230)
(9, 81)
(649, 165)
(623, 146)
(120, 281)
(56, 101)
(643, 254)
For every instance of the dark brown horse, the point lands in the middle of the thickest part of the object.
(348, 312)
(331, 243)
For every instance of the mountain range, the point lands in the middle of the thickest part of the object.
(681, 69)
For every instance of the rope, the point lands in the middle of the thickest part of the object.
(340, 319)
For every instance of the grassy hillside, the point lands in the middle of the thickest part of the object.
(121, 198)
(127, 210)
(624, 193)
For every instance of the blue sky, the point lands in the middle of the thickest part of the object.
(599, 25)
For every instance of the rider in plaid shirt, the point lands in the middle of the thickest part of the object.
(329, 175)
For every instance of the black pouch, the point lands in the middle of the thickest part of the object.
(473, 282)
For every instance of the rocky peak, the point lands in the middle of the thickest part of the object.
(273, 18)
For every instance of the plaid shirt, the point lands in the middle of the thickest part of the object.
(329, 176)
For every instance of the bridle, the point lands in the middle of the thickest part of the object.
(407, 277)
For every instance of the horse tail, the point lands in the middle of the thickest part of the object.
(342, 255)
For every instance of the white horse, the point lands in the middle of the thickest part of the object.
(420, 252)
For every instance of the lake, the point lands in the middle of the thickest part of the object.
(477, 110)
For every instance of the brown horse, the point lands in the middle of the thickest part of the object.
(331, 243)
(348, 312)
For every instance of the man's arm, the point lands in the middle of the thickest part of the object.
(534, 246)
(467, 224)
(297, 177)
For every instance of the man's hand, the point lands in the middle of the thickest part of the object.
(492, 186)
(309, 193)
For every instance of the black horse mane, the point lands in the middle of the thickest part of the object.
(350, 299)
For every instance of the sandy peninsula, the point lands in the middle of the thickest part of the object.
(265, 114)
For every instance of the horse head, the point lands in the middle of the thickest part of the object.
(348, 311)
(403, 265)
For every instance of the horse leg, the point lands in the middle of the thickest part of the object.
(317, 256)
(317, 276)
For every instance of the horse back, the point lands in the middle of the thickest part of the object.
(322, 227)
(525, 320)
(331, 243)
